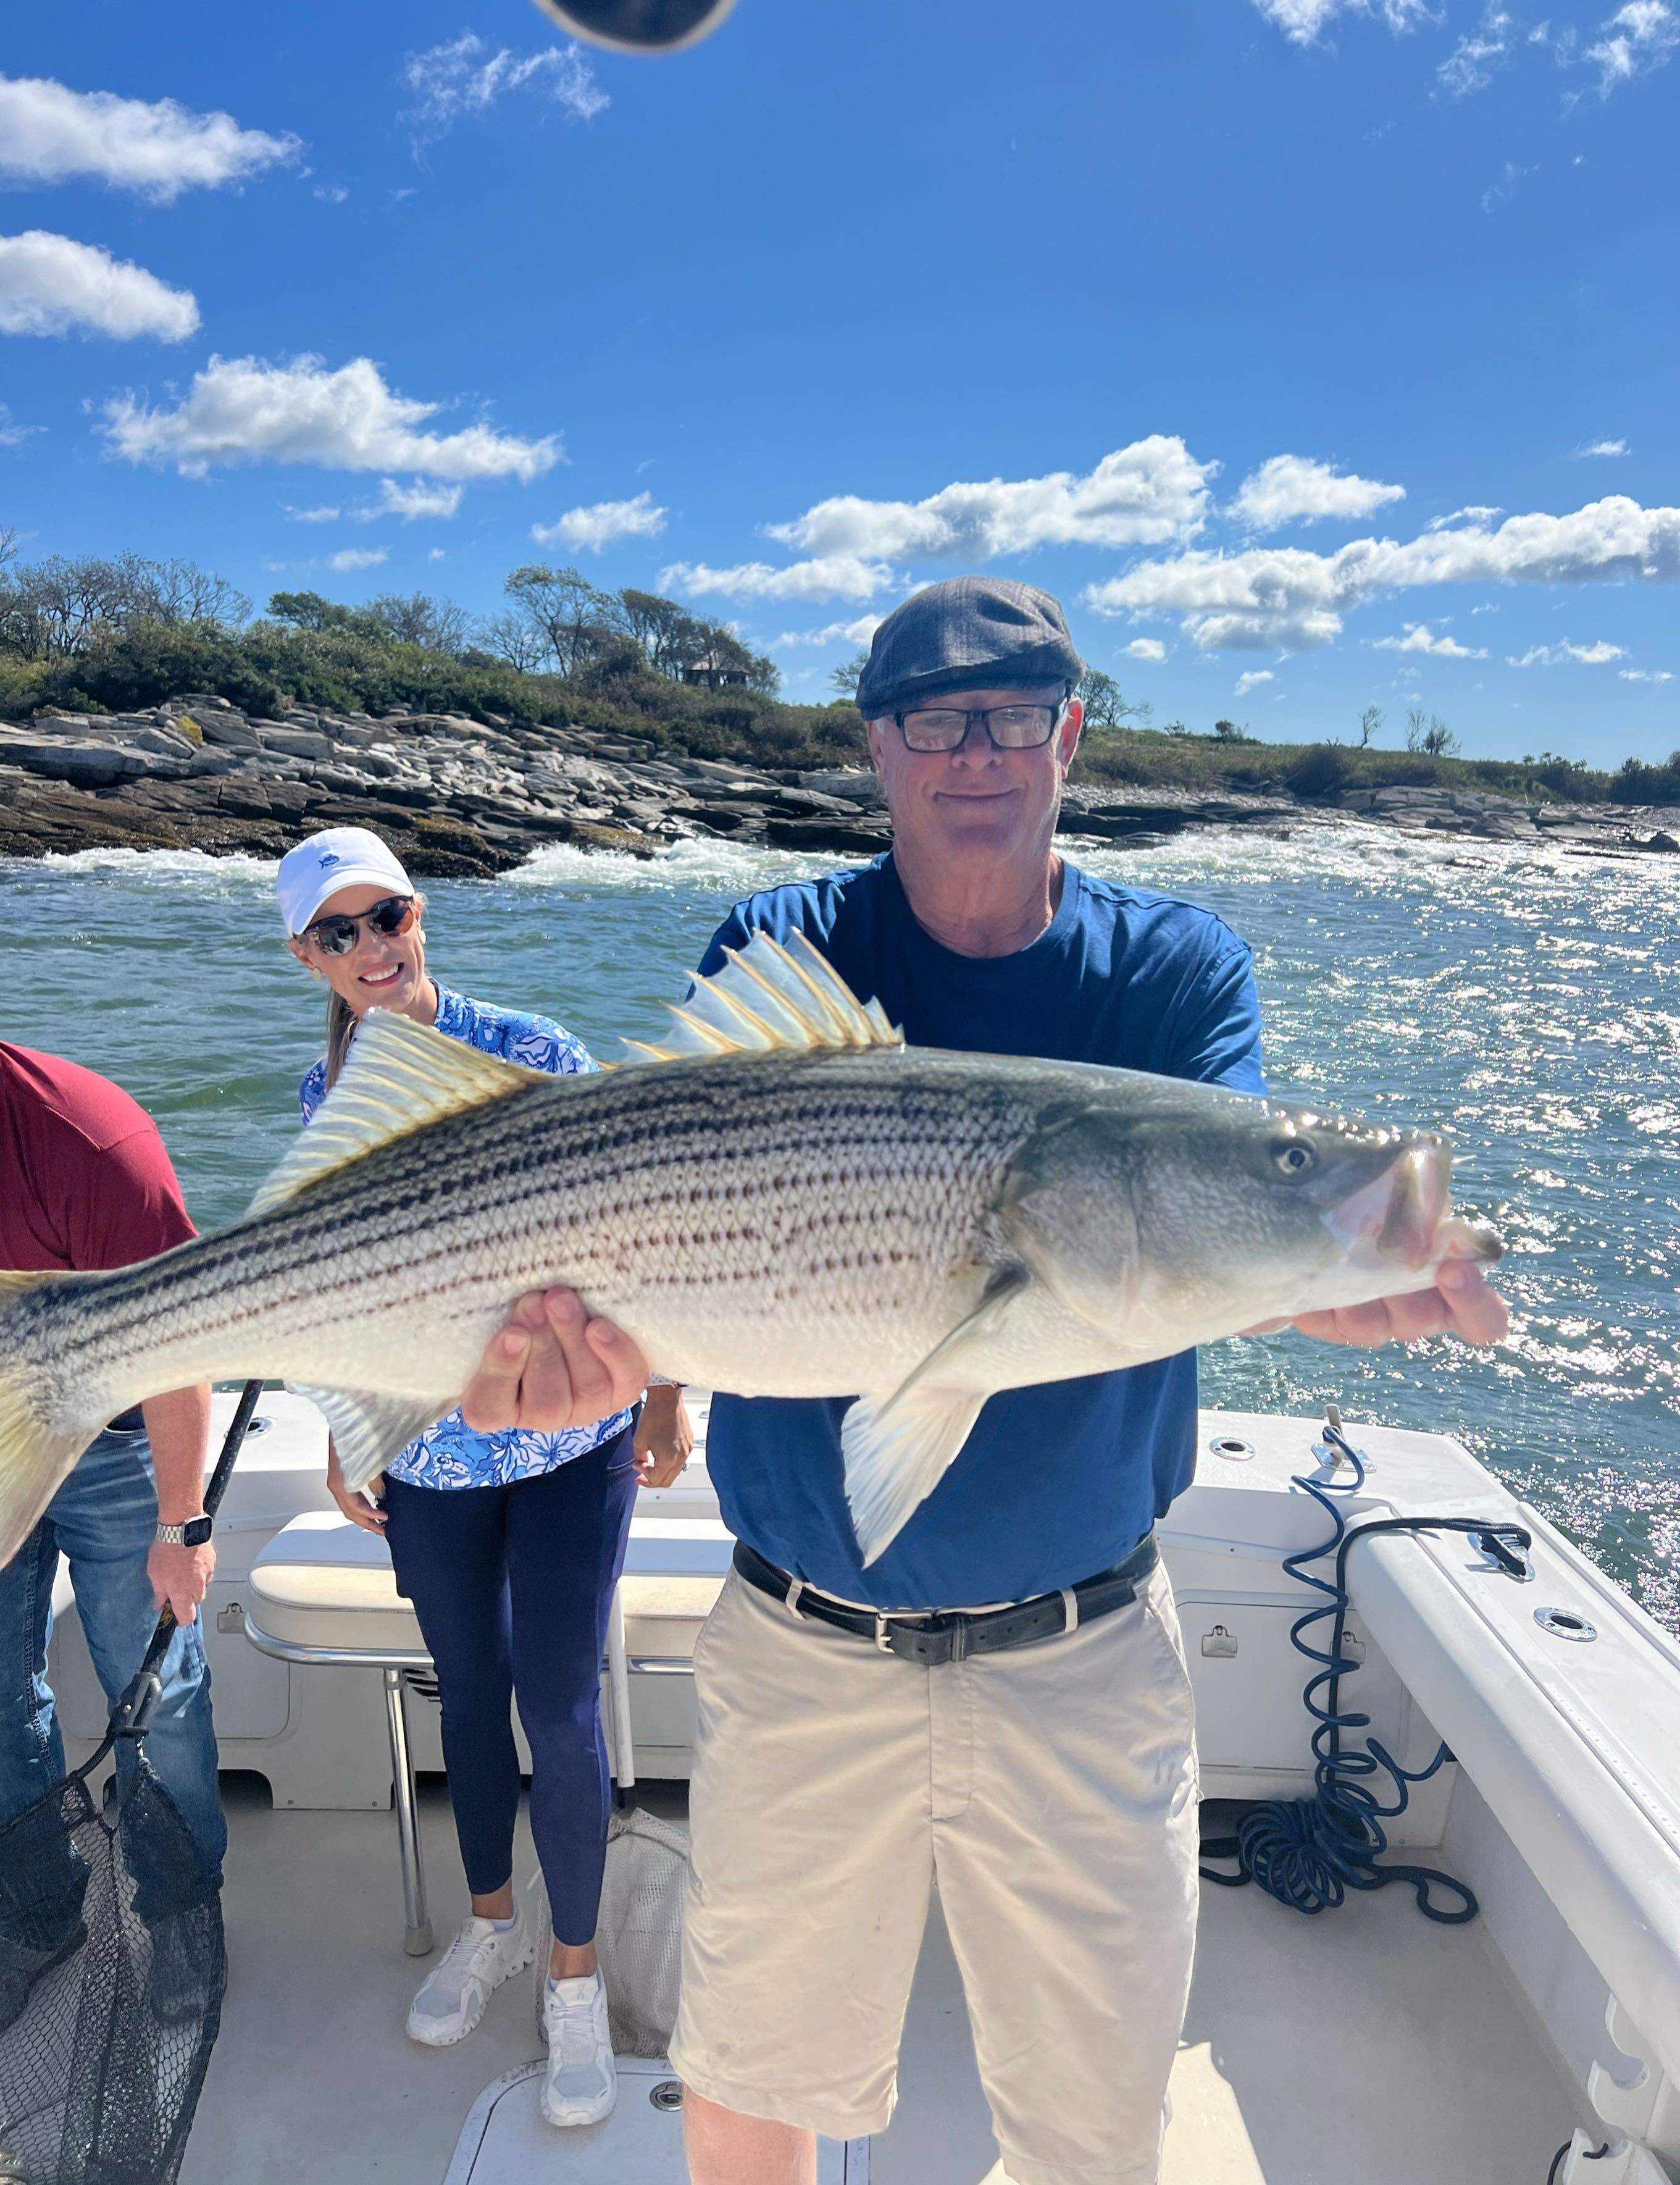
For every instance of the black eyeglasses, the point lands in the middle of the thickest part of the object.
(1010, 728)
(337, 934)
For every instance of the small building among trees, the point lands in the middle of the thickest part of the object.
(714, 672)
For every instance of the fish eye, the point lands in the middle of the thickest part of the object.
(1292, 1156)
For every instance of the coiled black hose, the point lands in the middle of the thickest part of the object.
(1308, 1852)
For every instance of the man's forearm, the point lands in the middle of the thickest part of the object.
(178, 1428)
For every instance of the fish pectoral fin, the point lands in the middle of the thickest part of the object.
(770, 998)
(398, 1077)
(897, 1448)
(369, 1430)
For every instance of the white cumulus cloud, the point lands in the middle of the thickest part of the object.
(1635, 39)
(858, 632)
(1286, 596)
(1143, 494)
(358, 557)
(1302, 20)
(463, 77)
(1251, 679)
(1474, 514)
(1418, 637)
(1645, 674)
(1147, 493)
(324, 515)
(50, 285)
(246, 410)
(1146, 648)
(49, 133)
(829, 577)
(603, 521)
(418, 499)
(1603, 448)
(1554, 655)
(1294, 489)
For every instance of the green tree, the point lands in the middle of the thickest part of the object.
(1104, 703)
(563, 607)
(309, 610)
(667, 634)
(843, 680)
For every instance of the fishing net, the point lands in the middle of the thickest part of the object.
(108, 2007)
(112, 1959)
(639, 1932)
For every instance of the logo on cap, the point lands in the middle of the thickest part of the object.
(330, 857)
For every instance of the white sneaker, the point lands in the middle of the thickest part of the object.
(581, 2084)
(451, 2000)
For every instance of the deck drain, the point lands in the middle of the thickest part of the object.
(1234, 1450)
(666, 2093)
(1565, 1623)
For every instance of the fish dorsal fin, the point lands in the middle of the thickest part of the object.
(398, 1077)
(770, 998)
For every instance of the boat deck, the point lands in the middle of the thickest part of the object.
(1364, 2047)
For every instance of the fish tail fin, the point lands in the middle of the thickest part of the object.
(37, 1446)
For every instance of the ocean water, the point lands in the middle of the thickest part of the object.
(1527, 999)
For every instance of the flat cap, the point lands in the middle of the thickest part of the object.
(965, 635)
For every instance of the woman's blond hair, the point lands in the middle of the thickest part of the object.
(341, 1025)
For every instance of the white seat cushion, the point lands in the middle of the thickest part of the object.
(322, 1581)
(663, 1615)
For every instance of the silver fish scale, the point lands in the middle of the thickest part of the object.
(697, 1201)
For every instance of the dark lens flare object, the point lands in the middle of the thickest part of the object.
(638, 26)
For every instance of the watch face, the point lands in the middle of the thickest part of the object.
(195, 1532)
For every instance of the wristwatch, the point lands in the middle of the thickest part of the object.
(192, 1534)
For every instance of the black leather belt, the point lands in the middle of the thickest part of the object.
(951, 1636)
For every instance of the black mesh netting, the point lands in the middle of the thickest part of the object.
(112, 1969)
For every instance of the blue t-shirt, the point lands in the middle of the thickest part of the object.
(1059, 1480)
(453, 1454)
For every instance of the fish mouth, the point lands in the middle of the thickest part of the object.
(1403, 1217)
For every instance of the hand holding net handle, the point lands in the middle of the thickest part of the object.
(134, 1711)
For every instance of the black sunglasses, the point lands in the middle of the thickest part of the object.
(337, 934)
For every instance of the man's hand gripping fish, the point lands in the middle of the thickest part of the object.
(787, 1201)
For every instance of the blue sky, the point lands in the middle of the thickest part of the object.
(1317, 354)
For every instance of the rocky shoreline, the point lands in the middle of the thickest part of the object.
(462, 798)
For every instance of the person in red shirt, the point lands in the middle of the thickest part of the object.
(85, 1182)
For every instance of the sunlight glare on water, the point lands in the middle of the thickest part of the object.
(1526, 999)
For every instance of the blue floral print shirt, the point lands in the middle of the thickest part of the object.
(451, 1454)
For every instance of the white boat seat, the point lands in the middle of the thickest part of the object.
(663, 1614)
(323, 1583)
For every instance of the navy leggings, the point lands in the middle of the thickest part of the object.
(512, 1586)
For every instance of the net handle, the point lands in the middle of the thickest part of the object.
(133, 1711)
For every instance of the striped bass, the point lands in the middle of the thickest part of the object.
(788, 1202)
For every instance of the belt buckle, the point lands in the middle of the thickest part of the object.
(883, 1643)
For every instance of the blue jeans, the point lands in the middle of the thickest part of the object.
(103, 1518)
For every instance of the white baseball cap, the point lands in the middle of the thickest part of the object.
(336, 857)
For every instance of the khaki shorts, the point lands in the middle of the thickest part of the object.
(1050, 1792)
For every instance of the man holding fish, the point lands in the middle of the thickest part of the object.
(993, 1695)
